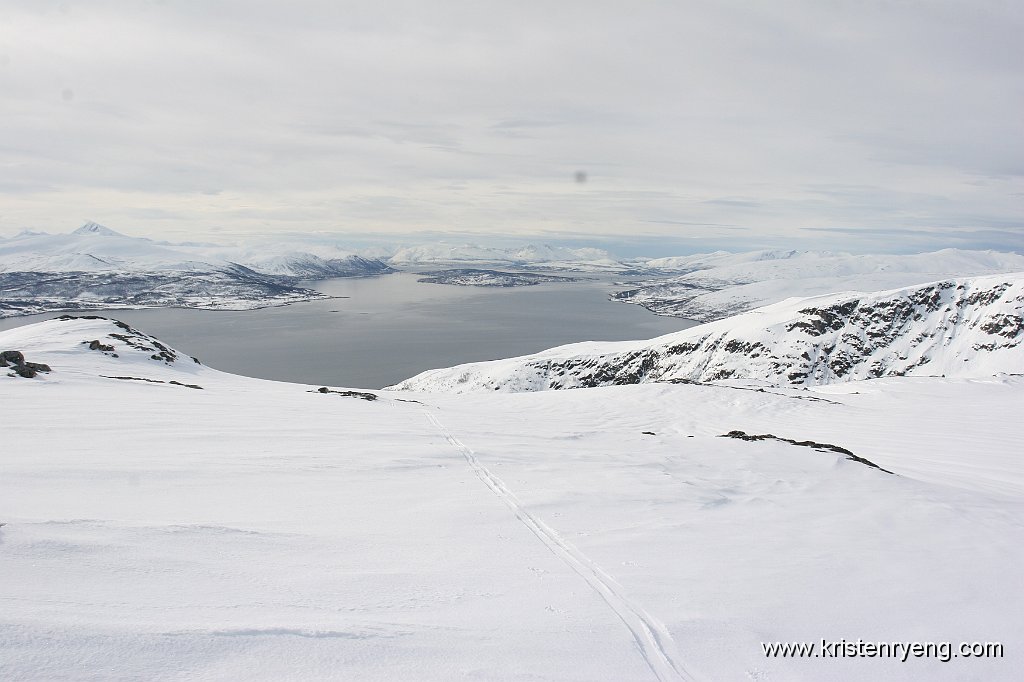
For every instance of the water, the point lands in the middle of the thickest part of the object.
(390, 328)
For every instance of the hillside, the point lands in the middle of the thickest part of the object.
(957, 327)
(163, 520)
(716, 285)
(96, 267)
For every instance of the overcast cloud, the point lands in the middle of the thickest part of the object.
(885, 125)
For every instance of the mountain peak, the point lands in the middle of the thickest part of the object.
(95, 228)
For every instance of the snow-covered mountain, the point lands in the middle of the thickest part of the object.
(96, 267)
(533, 255)
(716, 285)
(95, 248)
(958, 327)
(475, 277)
(303, 265)
(159, 518)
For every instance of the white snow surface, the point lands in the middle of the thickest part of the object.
(963, 327)
(95, 248)
(257, 530)
(721, 284)
(553, 257)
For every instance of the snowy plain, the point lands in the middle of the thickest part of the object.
(252, 529)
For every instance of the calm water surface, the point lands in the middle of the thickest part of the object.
(392, 327)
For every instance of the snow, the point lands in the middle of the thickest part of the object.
(963, 327)
(95, 228)
(721, 284)
(96, 267)
(264, 531)
(552, 257)
(95, 248)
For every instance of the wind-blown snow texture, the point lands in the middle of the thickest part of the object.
(957, 327)
(222, 527)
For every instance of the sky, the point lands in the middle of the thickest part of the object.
(655, 127)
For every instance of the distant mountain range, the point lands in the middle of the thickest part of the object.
(711, 286)
(953, 327)
(96, 267)
(551, 257)
(95, 248)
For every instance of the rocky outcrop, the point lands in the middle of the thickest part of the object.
(130, 337)
(15, 360)
(362, 395)
(821, 447)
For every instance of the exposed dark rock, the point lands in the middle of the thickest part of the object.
(489, 278)
(139, 341)
(153, 381)
(682, 348)
(14, 357)
(96, 345)
(744, 347)
(824, 447)
(347, 394)
(1004, 325)
(232, 286)
(16, 360)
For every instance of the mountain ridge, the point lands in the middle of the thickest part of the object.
(96, 267)
(953, 327)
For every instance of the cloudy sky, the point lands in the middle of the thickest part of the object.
(884, 125)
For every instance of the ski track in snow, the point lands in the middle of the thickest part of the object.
(651, 636)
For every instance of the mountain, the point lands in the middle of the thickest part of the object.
(301, 265)
(95, 228)
(96, 267)
(94, 248)
(714, 286)
(958, 327)
(532, 255)
(159, 518)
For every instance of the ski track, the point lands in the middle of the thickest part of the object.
(651, 636)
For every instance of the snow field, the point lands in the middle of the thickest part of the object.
(257, 530)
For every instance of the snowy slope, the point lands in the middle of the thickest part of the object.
(302, 265)
(257, 530)
(94, 248)
(720, 284)
(959, 327)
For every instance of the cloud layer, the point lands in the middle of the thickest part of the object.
(751, 123)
